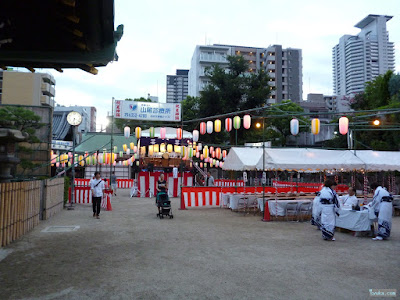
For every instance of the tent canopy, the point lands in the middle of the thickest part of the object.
(308, 159)
(242, 159)
(379, 160)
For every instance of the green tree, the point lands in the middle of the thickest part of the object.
(381, 93)
(22, 119)
(279, 127)
(228, 90)
(26, 121)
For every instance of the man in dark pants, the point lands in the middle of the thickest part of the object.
(97, 186)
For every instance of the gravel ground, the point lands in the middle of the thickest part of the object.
(200, 254)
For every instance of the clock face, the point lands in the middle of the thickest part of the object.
(74, 118)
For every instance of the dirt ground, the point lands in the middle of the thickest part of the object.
(200, 254)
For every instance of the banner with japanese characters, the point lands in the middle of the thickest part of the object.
(147, 111)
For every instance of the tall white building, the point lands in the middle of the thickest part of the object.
(284, 67)
(360, 58)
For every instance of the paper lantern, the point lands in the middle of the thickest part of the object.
(177, 149)
(294, 126)
(162, 148)
(179, 133)
(211, 149)
(190, 152)
(236, 122)
(201, 156)
(217, 125)
(81, 161)
(121, 153)
(128, 151)
(213, 154)
(199, 146)
(246, 121)
(202, 128)
(114, 163)
(223, 153)
(132, 145)
(125, 147)
(170, 148)
(228, 124)
(138, 132)
(218, 153)
(127, 132)
(135, 149)
(217, 164)
(201, 165)
(197, 154)
(205, 151)
(221, 164)
(151, 150)
(115, 149)
(163, 132)
(315, 126)
(152, 132)
(184, 150)
(143, 150)
(210, 127)
(343, 125)
(156, 148)
(195, 135)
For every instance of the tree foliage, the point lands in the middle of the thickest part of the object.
(381, 93)
(25, 120)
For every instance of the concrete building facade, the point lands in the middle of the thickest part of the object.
(89, 114)
(177, 86)
(30, 89)
(359, 59)
(284, 67)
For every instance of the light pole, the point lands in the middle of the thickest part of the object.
(263, 180)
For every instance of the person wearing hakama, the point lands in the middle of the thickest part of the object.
(382, 206)
(328, 205)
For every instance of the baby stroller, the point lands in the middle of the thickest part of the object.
(162, 201)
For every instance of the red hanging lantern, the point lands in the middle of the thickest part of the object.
(228, 124)
(203, 128)
(179, 133)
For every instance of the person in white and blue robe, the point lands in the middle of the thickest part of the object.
(382, 206)
(316, 212)
(329, 206)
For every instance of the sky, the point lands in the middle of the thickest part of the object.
(160, 36)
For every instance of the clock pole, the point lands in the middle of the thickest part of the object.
(73, 169)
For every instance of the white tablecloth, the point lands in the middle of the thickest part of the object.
(279, 205)
(353, 220)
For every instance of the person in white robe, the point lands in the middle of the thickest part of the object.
(382, 206)
(329, 206)
(316, 212)
(350, 200)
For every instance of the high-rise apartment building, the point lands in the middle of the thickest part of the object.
(177, 86)
(360, 58)
(31, 89)
(284, 67)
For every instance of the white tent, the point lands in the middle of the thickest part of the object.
(308, 159)
(379, 160)
(242, 159)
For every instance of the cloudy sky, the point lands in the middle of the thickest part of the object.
(160, 36)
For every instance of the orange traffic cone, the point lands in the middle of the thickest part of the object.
(267, 216)
(109, 208)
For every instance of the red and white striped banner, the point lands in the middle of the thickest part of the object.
(83, 195)
(228, 182)
(124, 183)
(147, 182)
(201, 196)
